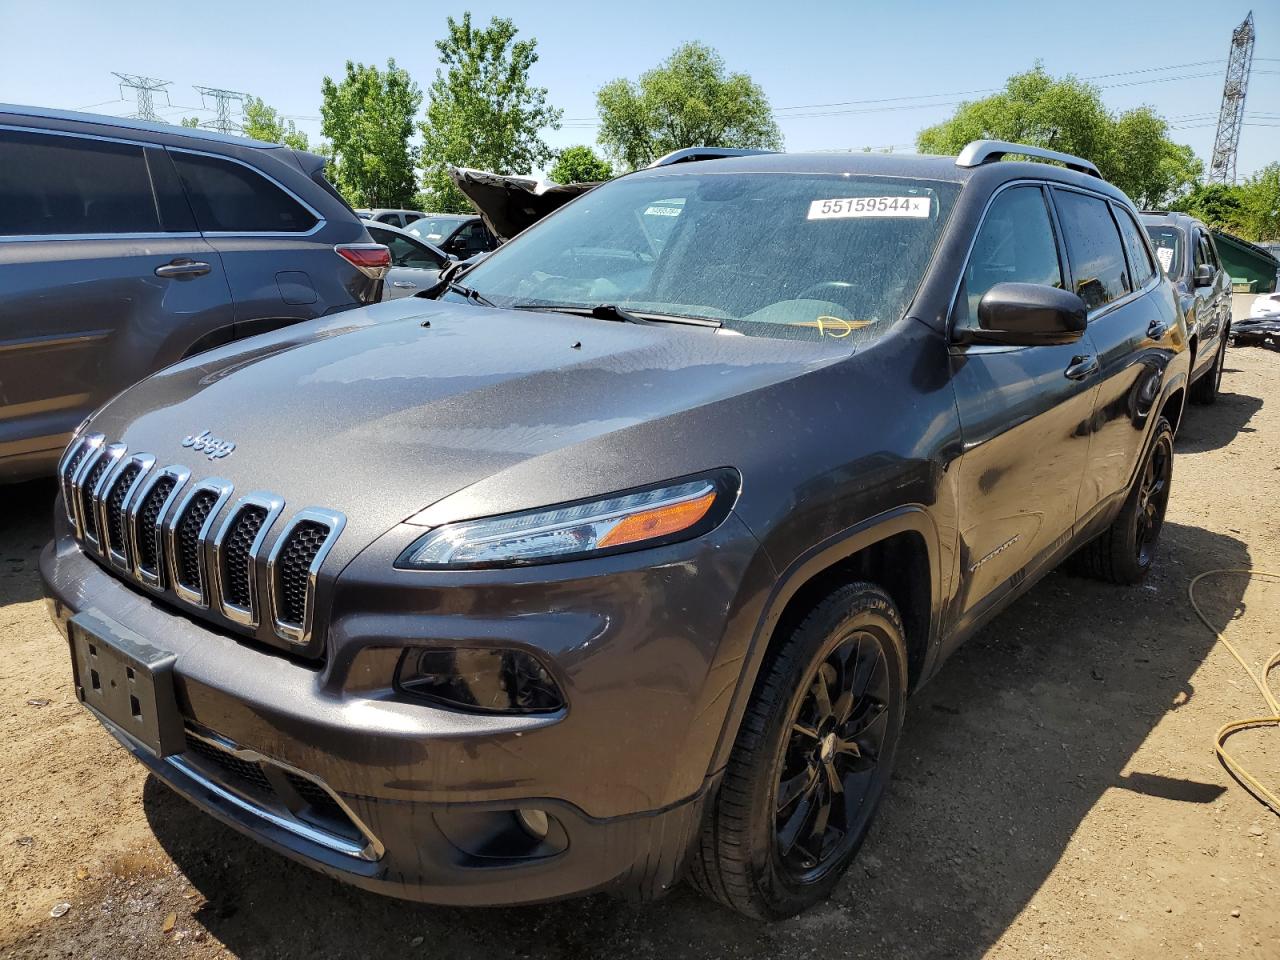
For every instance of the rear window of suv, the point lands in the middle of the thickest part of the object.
(228, 197)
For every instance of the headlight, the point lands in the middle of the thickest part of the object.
(628, 521)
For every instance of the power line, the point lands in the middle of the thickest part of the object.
(849, 107)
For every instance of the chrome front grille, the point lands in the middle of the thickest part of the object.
(157, 528)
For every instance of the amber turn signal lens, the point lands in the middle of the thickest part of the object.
(658, 522)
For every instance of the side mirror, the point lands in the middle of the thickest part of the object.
(1203, 276)
(1029, 314)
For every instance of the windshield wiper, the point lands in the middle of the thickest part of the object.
(436, 290)
(611, 311)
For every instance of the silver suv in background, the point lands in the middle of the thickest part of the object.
(396, 218)
(1185, 248)
(126, 246)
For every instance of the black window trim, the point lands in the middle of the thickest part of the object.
(1106, 308)
(1058, 241)
(141, 144)
(319, 217)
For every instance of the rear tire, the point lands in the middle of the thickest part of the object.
(1125, 551)
(1205, 390)
(824, 721)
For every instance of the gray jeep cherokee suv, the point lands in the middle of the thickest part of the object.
(619, 558)
(125, 246)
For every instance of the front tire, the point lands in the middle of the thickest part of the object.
(812, 759)
(1125, 551)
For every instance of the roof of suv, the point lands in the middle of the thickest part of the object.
(1171, 218)
(129, 123)
(923, 166)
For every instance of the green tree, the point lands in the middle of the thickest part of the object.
(191, 122)
(1262, 203)
(262, 122)
(1250, 210)
(1133, 150)
(482, 110)
(368, 118)
(579, 165)
(689, 100)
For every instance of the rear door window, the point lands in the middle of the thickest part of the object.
(57, 185)
(405, 252)
(229, 197)
(1139, 258)
(1094, 248)
(1014, 245)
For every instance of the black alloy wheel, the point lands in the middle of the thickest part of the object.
(1153, 498)
(828, 765)
(811, 760)
(1126, 550)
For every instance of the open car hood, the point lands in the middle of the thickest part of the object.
(509, 204)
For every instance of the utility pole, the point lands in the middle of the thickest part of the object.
(1222, 168)
(143, 88)
(222, 100)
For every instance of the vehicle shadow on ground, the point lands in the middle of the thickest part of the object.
(1004, 755)
(1209, 428)
(26, 525)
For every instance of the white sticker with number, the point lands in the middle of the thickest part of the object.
(916, 207)
(1165, 256)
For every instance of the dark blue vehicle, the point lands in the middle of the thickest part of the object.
(126, 246)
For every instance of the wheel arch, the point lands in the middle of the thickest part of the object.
(897, 550)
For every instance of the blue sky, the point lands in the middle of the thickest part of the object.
(801, 53)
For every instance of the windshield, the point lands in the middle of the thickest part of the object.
(781, 255)
(1168, 244)
(434, 229)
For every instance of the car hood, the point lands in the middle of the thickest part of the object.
(381, 412)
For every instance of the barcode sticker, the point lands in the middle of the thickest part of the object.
(914, 207)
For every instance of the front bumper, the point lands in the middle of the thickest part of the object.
(429, 795)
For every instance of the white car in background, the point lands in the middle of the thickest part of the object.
(415, 263)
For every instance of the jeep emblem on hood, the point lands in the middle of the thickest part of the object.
(215, 448)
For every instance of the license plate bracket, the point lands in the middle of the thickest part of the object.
(128, 682)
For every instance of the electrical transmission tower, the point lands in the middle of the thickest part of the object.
(143, 88)
(222, 101)
(1222, 168)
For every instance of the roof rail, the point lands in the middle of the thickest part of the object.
(689, 154)
(978, 152)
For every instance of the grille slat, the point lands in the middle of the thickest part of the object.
(114, 507)
(187, 540)
(148, 545)
(238, 557)
(88, 506)
(294, 570)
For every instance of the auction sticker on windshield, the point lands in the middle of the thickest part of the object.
(917, 207)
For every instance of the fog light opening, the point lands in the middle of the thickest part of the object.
(534, 822)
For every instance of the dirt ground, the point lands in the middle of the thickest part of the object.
(1057, 794)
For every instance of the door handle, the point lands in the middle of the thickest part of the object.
(404, 284)
(1081, 367)
(183, 267)
(1156, 330)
